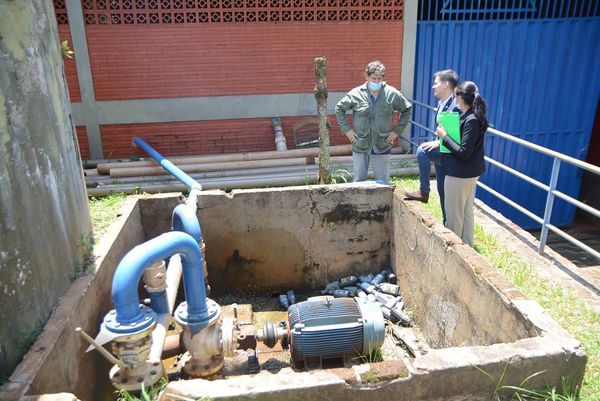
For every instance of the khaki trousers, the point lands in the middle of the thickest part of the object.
(460, 195)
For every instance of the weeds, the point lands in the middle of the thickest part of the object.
(497, 383)
(87, 263)
(372, 357)
(28, 336)
(569, 391)
(371, 377)
(150, 393)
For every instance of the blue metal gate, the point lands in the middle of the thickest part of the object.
(537, 63)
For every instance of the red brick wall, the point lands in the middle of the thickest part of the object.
(203, 137)
(84, 148)
(169, 61)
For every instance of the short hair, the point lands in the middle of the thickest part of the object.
(449, 76)
(375, 67)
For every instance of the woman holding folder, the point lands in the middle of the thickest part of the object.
(464, 164)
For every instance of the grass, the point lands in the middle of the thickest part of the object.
(561, 304)
(103, 211)
(152, 393)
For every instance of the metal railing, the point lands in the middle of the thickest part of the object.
(550, 188)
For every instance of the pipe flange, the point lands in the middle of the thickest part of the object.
(147, 319)
(132, 379)
(198, 323)
(197, 368)
(229, 337)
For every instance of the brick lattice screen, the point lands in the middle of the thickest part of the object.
(142, 12)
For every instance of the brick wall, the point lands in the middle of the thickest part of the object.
(205, 137)
(158, 61)
(170, 61)
(84, 147)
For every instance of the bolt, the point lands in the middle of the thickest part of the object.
(156, 363)
(117, 374)
(140, 379)
(124, 380)
(153, 372)
(206, 367)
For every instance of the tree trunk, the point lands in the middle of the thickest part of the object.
(324, 127)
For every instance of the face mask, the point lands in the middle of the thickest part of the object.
(374, 86)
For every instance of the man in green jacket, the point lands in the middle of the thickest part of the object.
(372, 135)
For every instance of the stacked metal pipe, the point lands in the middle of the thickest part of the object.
(231, 171)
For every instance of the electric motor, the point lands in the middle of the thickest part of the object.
(327, 328)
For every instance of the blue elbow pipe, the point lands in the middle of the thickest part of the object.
(130, 270)
(185, 219)
(167, 165)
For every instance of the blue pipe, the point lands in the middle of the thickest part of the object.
(159, 302)
(130, 270)
(167, 165)
(185, 219)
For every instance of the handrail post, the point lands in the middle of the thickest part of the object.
(549, 204)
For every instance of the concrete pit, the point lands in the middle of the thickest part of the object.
(263, 241)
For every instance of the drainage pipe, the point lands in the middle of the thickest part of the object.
(167, 165)
(203, 167)
(104, 168)
(227, 183)
(335, 161)
(131, 267)
(104, 179)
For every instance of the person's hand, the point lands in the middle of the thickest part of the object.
(441, 131)
(427, 146)
(391, 138)
(351, 136)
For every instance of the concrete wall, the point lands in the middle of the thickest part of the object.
(44, 225)
(57, 361)
(282, 238)
(455, 294)
(305, 236)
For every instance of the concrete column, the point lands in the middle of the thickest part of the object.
(84, 75)
(44, 218)
(409, 54)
